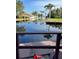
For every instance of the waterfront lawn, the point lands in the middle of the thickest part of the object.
(54, 20)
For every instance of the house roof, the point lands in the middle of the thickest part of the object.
(24, 14)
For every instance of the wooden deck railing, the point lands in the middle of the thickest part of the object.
(57, 47)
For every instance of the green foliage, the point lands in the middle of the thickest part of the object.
(19, 6)
(48, 36)
(40, 15)
(56, 13)
(35, 13)
(20, 29)
(49, 6)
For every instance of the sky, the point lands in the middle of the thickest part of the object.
(38, 5)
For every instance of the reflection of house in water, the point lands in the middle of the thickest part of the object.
(25, 17)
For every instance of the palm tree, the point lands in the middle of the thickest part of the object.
(42, 14)
(19, 6)
(49, 7)
(35, 13)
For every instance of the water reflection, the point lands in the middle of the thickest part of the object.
(38, 27)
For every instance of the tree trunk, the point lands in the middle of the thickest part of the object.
(50, 13)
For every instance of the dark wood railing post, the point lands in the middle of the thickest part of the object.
(17, 47)
(57, 46)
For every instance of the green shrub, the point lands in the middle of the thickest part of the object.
(20, 29)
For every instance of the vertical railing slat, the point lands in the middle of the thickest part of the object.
(17, 47)
(57, 46)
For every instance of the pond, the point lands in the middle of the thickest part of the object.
(37, 27)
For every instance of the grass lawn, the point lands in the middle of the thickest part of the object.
(46, 20)
(54, 20)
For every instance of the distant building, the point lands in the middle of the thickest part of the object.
(25, 17)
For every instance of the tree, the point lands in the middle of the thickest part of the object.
(49, 7)
(19, 6)
(56, 13)
(35, 13)
(40, 16)
(61, 12)
(53, 13)
(42, 12)
(20, 29)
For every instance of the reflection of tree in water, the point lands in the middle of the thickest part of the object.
(58, 26)
(20, 29)
(48, 36)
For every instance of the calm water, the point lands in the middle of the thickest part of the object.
(36, 27)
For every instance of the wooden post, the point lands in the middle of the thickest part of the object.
(57, 46)
(17, 47)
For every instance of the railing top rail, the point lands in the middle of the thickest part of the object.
(38, 47)
(23, 33)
